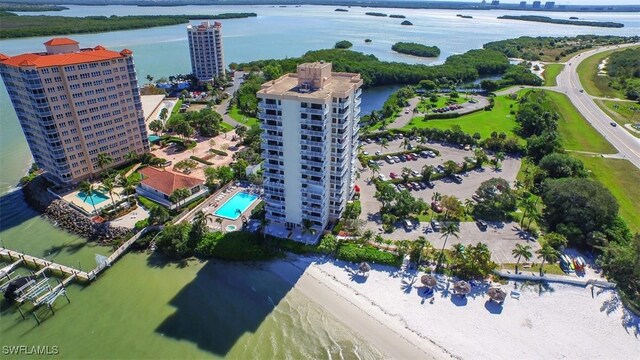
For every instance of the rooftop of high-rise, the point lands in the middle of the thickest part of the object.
(62, 52)
(312, 80)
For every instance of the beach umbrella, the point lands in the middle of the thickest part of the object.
(428, 280)
(364, 267)
(461, 287)
(497, 294)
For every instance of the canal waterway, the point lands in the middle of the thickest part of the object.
(146, 308)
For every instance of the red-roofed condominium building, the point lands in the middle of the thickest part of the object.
(74, 104)
(158, 185)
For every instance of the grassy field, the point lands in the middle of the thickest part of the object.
(550, 73)
(484, 122)
(592, 83)
(622, 179)
(575, 132)
(622, 112)
(423, 106)
(237, 116)
(547, 268)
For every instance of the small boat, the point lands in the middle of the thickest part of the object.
(565, 262)
(579, 263)
(10, 291)
(571, 266)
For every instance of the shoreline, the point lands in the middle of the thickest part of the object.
(378, 328)
(390, 313)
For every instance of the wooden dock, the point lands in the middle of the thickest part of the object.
(40, 264)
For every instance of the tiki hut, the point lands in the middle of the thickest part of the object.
(364, 267)
(461, 288)
(497, 294)
(428, 280)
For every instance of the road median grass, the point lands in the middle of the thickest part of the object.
(575, 132)
(550, 74)
(621, 177)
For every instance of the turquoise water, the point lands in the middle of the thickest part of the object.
(234, 207)
(153, 138)
(94, 199)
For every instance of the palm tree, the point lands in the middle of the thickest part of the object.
(88, 190)
(156, 126)
(108, 186)
(104, 160)
(421, 242)
(384, 144)
(448, 229)
(219, 222)
(521, 251)
(307, 227)
(436, 196)
(406, 173)
(528, 207)
(131, 156)
(468, 207)
(405, 143)
(375, 168)
(367, 236)
(481, 157)
(264, 222)
(547, 253)
(178, 195)
(427, 172)
(201, 221)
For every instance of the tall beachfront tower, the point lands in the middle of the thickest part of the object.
(310, 123)
(74, 104)
(205, 47)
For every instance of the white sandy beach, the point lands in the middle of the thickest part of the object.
(547, 322)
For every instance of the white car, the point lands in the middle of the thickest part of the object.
(378, 153)
(382, 177)
(365, 153)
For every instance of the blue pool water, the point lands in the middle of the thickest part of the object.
(97, 197)
(234, 207)
(153, 138)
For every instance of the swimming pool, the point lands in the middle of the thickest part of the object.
(97, 197)
(153, 138)
(234, 207)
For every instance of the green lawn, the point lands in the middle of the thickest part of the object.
(550, 73)
(592, 83)
(226, 127)
(484, 122)
(575, 132)
(235, 114)
(622, 179)
(622, 112)
(547, 268)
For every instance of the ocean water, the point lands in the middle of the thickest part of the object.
(146, 308)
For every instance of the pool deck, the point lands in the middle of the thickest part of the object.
(220, 197)
(72, 197)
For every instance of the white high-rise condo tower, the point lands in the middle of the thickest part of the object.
(74, 104)
(205, 47)
(310, 123)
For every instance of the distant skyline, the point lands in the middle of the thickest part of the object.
(562, 2)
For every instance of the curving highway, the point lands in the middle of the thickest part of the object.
(569, 83)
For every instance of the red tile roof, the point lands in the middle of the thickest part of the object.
(166, 181)
(60, 41)
(46, 60)
(3, 57)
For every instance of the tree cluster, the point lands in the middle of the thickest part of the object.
(415, 49)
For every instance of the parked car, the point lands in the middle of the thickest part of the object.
(396, 158)
(613, 124)
(371, 162)
(365, 153)
(435, 225)
(435, 206)
(408, 225)
(401, 187)
(415, 173)
(482, 225)
(422, 184)
(393, 175)
(424, 154)
(476, 198)
(457, 178)
(378, 153)
(432, 154)
(382, 177)
(389, 159)
(430, 184)
(402, 158)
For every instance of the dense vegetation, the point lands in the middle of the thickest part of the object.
(457, 68)
(553, 48)
(623, 68)
(344, 44)
(14, 26)
(31, 7)
(546, 19)
(415, 49)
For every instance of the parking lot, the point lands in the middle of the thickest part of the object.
(501, 238)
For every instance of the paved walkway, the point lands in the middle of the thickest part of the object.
(222, 108)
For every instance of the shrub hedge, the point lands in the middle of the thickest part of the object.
(356, 253)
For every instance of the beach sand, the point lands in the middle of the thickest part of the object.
(390, 312)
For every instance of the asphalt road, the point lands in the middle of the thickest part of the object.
(569, 83)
